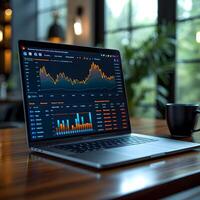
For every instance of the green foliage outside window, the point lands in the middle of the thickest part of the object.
(150, 59)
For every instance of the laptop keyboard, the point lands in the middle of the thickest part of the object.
(104, 144)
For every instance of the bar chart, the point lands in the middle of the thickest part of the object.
(74, 123)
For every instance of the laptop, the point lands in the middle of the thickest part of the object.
(76, 107)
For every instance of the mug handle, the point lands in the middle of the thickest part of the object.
(198, 112)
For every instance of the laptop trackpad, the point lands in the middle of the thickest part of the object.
(102, 157)
(138, 151)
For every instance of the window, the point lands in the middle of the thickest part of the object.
(188, 51)
(132, 22)
(45, 16)
(125, 20)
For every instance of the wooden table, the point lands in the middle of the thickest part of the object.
(32, 176)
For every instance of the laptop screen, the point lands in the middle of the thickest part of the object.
(72, 91)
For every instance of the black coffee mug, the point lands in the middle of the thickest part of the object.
(182, 119)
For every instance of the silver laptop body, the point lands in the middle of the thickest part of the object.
(76, 107)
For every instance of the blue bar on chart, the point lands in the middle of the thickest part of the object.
(74, 123)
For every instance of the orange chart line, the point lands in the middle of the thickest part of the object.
(94, 68)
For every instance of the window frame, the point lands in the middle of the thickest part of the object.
(130, 28)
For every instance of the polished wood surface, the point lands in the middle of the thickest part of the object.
(31, 176)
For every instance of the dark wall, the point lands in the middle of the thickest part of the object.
(167, 15)
(24, 26)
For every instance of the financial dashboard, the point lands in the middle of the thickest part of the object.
(71, 92)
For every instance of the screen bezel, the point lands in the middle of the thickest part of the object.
(35, 44)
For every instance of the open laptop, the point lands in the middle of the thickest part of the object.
(76, 107)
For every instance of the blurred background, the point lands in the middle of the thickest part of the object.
(159, 41)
